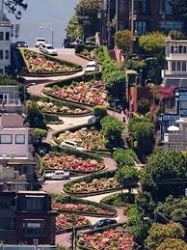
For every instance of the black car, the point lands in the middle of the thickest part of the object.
(21, 44)
(103, 223)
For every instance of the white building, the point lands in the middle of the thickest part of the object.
(15, 137)
(5, 43)
(176, 137)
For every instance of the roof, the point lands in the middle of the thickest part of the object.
(12, 121)
(176, 82)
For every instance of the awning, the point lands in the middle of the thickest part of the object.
(176, 82)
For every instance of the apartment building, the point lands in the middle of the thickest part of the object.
(141, 16)
(5, 43)
(25, 216)
(9, 99)
(174, 106)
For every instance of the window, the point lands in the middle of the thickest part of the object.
(183, 66)
(141, 27)
(1, 36)
(6, 54)
(34, 203)
(171, 25)
(142, 6)
(168, 7)
(6, 139)
(178, 66)
(183, 104)
(1, 54)
(20, 139)
(34, 228)
(7, 36)
(173, 66)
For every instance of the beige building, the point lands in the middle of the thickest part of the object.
(176, 137)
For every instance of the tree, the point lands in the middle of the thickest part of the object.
(136, 224)
(112, 130)
(152, 43)
(100, 111)
(165, 174)
(172, 244)
(141, 136)
(123, 39)
(39, 135)
(112, 74)
(73, 29)
(127, 176)
(143, 106)
(174, 208)
(179, 7)
(160, 232)
(90, 9)
(13, 6)
(124, 157)
(35, 118)
(176, 35)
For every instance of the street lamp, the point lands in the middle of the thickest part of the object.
(52, 32)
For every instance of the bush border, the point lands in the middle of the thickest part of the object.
(34, 74)
(46, 98)
(99, 205)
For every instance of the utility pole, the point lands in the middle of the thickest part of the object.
(117, 14)
(108, 24)
(132, 24)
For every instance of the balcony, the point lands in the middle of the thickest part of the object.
(173, 138)
(176, 56)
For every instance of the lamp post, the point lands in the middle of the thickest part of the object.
(52, 32)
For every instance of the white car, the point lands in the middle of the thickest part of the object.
(71, 144)
(57, 175)
(91, 66)
(39, 42)
(48, 49)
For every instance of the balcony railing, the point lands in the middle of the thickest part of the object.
(171, 137)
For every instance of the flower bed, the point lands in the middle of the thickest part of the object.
(92, 93)
(71, 163)
(41, 63)
(96, 183)
(66, 221)
(69, 204)
(88, 138)
(50, 107)
(117, 239)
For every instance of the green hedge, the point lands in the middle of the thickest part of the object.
(64, 199)
(80, 47)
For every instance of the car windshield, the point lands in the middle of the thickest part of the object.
(49, 47)
(40, 40)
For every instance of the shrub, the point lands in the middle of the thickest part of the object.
(100, 111)
(119, 200)
(125, 157)
(39, 135)
(143, 106)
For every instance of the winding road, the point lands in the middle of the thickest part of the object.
(70, 122)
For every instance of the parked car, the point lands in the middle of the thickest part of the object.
(103, 223)
(71, 144)
(21, 44)
(48, 49)
(39, 42)
(91, 66)
(57, 175)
